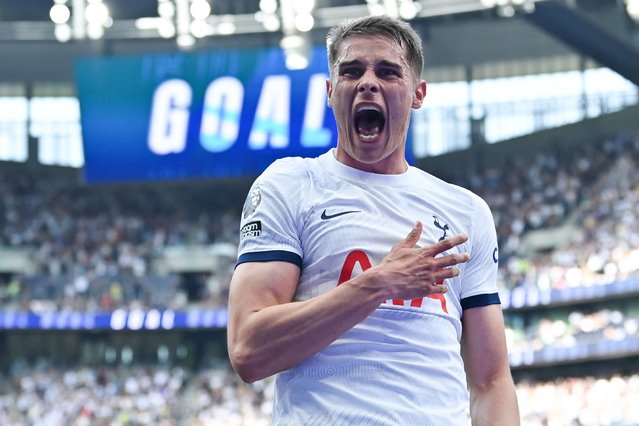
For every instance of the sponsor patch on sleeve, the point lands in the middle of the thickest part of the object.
(251, 230)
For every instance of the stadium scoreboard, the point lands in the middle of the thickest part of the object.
(202, 114)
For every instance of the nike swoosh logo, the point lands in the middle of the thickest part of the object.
(331, 216)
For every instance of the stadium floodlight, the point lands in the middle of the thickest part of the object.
(292, 42)
(96, 13)
(509, 5)
(391, 8)
(508, 8)
(267, 15)
(60, 13)
(296, 20)
(97, 18)
(272, 23)
(632, 8)
(227, 26)
(63, 32)
(166, 29)
(296, 50)
(507, 11)
(83, 18)
(408, 9)
(268, 6)
(200, 28)
(304, 22)
(166, 9)
(383, 7)
(296, 60)
(185, 40)
(148, 23)
(200, 9)
(304, 6)
(374, 7)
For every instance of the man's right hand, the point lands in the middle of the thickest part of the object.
(409, 271)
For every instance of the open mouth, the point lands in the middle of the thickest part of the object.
(369, 122)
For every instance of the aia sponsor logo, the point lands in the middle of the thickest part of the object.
(358, 256)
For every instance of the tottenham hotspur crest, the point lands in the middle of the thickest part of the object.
(443, 227)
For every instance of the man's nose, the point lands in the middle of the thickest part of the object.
(368, 83)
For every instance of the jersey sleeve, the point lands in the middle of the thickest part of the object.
(269, 226)
(479, 287)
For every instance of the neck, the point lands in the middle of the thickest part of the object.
(391, 165)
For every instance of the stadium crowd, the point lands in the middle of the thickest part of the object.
(158, 396)
(93, 249)
(167, 396)
(571, 329)
(592, 190)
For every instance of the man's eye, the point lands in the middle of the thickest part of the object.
(351, 71)
(389, 72)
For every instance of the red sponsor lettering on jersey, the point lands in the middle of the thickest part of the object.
(358, 256)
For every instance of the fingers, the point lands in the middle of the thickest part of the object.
(446, 273)
(442, 268)
(438, 287)
(413, 236)
(450, 260)
(415, 271)
(434, 282)
(436, 269)
(444, 245)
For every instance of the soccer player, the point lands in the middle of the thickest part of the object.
(365, 284)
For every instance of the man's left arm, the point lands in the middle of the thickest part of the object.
(493, 400)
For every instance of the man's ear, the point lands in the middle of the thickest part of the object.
(329, 92)
(420, 94)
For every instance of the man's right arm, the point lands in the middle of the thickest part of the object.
(268, 332)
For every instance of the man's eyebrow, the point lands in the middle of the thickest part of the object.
(387, 63)
(348, 63)
(383, 62)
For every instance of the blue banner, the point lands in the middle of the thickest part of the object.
(195, 115)
(119, 319)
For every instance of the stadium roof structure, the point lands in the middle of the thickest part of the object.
(455, 32)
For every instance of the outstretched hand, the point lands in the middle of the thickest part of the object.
(410, 271)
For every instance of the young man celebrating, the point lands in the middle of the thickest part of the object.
(366, 285)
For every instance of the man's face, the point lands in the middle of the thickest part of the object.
(372, 90)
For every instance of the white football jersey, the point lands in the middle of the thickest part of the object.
(402, 364)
